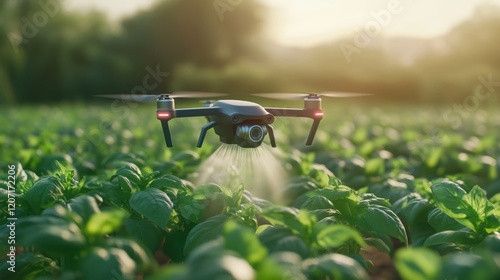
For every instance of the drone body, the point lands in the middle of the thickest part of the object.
(237, 122)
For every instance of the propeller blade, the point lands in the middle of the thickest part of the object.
(288, 96)
(298, 96)
(151, 98)
(195, 94)
(131, 97)
(343, 94)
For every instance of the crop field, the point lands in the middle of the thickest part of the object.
(91, 192)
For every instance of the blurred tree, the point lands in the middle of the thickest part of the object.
(450, 73)
(190, 31)
(49, 54)
(9, 62)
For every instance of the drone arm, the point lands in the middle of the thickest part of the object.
(287, 112)
(203, 132)
(196, 112)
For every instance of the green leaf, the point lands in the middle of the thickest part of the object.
(468, 266)
(109, 263)
(173, 247)
(287, 264)
(320, 177)
(302, 222)
(84, 206)
(221, 266)
(146, 232)
(45, 193)
(153, 204)
(186, 157)
(282, 239)
(376, 218)
(414, 212)
(130, 174)
(473, 210)
(237, 195)
(125, 184)
(373, 199)
(334, 236)
(243, 241)
(442, 222)
(29, 266)
(334, 266)
(270, 269)
(189, 207)
(417, 264)
(484, 208)
(167, 182)
(212, 261)
(460, 238)
(450, 198)
(434, 157)
(171, 272)
(316, 202)
(281, 215)
(375, 166)
(50, 234)
(105, 222)
(113, 195)
(124, 165)
(205, 231)
(133, 250)
(343, 198)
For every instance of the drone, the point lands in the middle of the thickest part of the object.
(238, 122)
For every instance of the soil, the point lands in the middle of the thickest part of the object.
(383, 266)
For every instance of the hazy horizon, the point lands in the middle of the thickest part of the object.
(304, 23)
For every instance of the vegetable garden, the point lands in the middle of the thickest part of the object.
(97, 195)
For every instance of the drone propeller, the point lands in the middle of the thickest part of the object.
(150, 98)
(293, 96)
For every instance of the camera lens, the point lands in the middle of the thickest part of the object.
(256, 133)
(251, 133)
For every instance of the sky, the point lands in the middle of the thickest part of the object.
(308, 22)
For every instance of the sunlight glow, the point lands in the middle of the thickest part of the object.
(304, 23)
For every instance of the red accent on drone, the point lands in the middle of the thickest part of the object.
(163, 115)
(318, 114)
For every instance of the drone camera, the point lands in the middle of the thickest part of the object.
(250, 135)
(254, 133)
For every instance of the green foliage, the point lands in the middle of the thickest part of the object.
(124, 206)
(470, 209)
(418, 263)
(153, 204)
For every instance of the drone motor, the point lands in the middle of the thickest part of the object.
(165, 107)
(312, 102)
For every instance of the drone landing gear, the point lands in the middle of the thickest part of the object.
(312, 132)
(166, 133)
(203, 132)
(270, 130)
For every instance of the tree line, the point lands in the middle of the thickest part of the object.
(49, 54)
